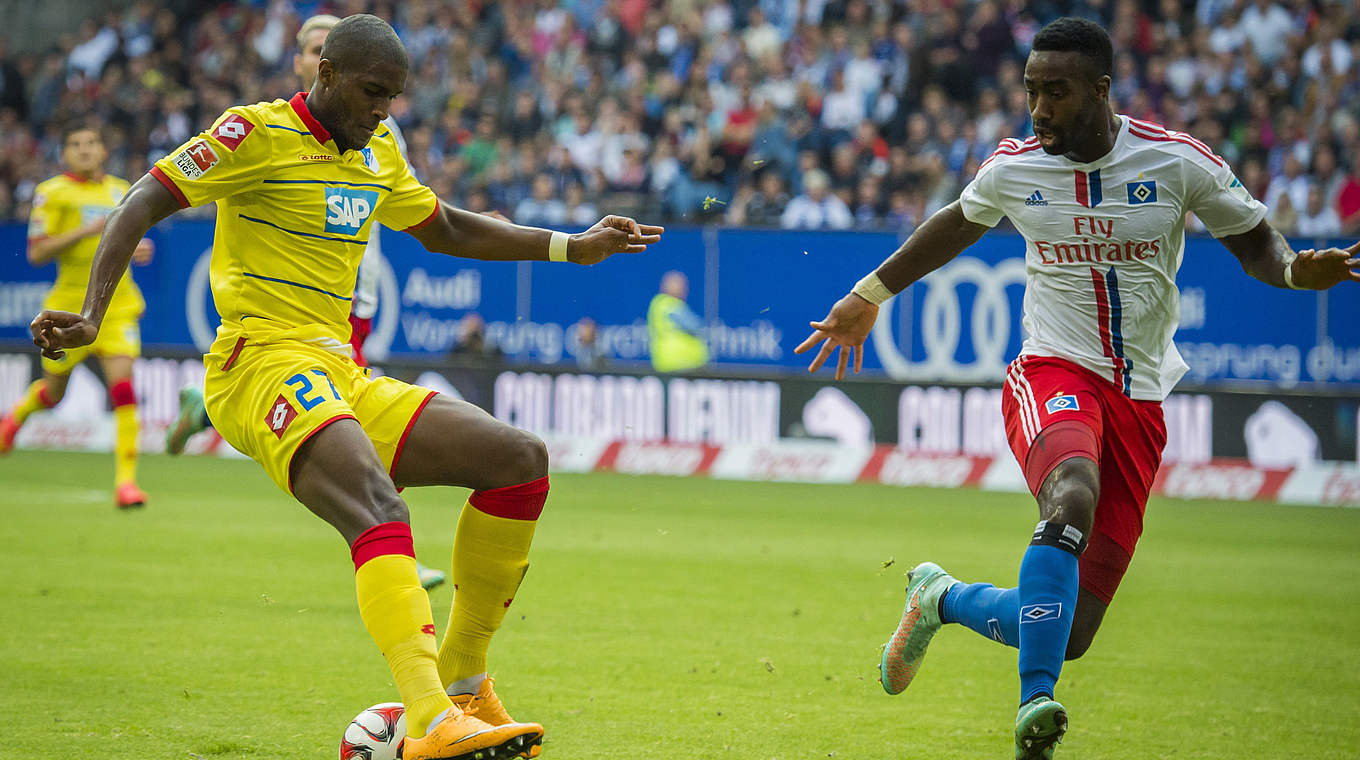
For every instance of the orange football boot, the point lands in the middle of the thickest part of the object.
(485, 705)
(129, 496)
(8, 429)
(457, 735)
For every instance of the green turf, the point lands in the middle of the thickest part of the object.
(661, 618)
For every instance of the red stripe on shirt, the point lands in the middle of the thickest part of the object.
(1181, 136)
(1083, 191)
(1172, 138)
(1004, 152)
(170, 185)
(1149, 126)
(1103, 320)
(433, 213)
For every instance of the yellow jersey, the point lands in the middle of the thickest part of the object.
(65, 203)
(293, 217)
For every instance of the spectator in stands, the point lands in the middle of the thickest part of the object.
(499, 92)
(1282, 215)
(1319, 219)
(816, 207)
(1348, 199)
(1328, 56)
(541, 209)
(585, 337)
(579, 210)
(471, 346)
(1268, 28)
(761, 205)
(1291, 181)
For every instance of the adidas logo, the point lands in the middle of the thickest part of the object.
(1036, 200)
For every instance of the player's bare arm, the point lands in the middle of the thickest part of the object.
(1265, 254)
(935, 243)
(456, 232)
(145, 204)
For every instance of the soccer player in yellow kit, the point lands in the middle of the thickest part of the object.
(69, 211)
(298, 185)
(193, 415)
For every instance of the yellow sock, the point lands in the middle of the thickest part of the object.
(396, 611)
(125, 445)
(125, 442)
(34, 398)
(490, 558)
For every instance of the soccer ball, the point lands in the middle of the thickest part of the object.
(375, 734)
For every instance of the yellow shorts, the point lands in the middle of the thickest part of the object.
(271, 397)
(117, 337)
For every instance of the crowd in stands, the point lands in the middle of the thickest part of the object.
(772, 113)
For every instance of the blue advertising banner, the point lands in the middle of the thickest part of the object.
(756, 290)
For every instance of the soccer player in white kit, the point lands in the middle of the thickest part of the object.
(1101, 201)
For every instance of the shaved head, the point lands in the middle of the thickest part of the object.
(362, 68)
(360, 40)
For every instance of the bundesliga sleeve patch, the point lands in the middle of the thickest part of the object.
(232, 131)
(196, 160)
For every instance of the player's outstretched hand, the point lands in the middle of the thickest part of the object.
(611, 235)
(54, 331)
(845, 328)
(1319, 270)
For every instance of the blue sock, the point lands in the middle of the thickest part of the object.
(991, 611)
(1048, 600)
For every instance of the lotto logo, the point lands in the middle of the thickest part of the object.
(1061, 404)
(195, 160)
(281, 415)
(347, 209)
(232, 131)
(428, 628)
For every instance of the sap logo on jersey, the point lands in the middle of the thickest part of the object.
(347, 209)
(1061, 404)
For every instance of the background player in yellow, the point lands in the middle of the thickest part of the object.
(298, 185)
(69, 212)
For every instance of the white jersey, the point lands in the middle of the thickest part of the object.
(365, 303)
(1103, 243)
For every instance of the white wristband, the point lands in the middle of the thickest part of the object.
(1289, 276)
(872, 289)
(557, 246)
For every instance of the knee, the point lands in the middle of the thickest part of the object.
(520, 456)
(53, 393)
(534, 453)
(1070, 493)
(388, 506)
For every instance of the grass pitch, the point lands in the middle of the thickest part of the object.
(661, 618)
